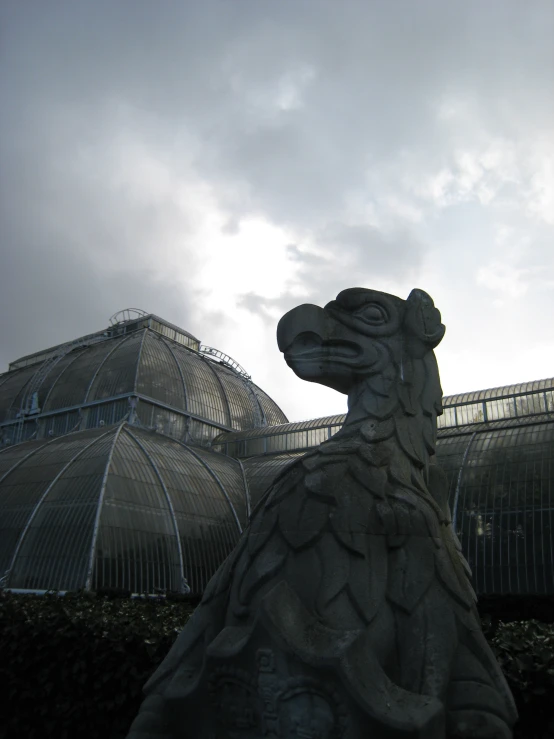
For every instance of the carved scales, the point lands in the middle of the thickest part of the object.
(346, 609)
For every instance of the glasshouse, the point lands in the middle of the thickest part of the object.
(497, 449)
(119, 506)
(140, 363)
(131, 458)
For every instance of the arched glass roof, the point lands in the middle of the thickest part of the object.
(144, 364)
(523, 388)
(117, 507)
(283, 428)
(533, 402)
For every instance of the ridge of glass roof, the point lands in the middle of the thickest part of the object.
(141, 320)
(500, 393)
(505, 391)
(281, 428)
(172, 325)
(497, 424)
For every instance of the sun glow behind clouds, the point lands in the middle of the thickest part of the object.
(260, 157)
(253, 257)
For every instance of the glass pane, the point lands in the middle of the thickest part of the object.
(13, 386)
(55, 550)
(159, 375)
(117, 374)
(273, 414)
(70, 379)
(205, 397)
(244, 413)
(504, 506)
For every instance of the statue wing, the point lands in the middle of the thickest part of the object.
(312, 532)
(325, 527)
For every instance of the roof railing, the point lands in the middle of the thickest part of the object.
(225, 359)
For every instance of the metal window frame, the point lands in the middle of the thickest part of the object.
(226, 399)
(90, 566)
(168, 345)
(216, 478)
(246, 489)
(139, 357)
(25, 457)
(169, 502)
(459, 482)
(113, 399)
(122, 340)
(43, 498)
(23, 389)
(80, 354)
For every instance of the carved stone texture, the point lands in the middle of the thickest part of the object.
(346, 609)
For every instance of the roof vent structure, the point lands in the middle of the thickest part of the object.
(127, 314)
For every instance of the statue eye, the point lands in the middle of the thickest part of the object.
(372, 313)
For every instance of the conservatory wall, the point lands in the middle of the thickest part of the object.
(119, 507)
(497, 449)
(501, 494)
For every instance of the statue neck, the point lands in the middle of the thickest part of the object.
(393, 418)
(373, 401)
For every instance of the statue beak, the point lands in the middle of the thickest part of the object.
(305, 318)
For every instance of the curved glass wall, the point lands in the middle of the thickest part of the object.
(118, 372)
(501, 494)
(272, 413)
(244, 407)
(205, 396)
(119, 507)
(159, 375)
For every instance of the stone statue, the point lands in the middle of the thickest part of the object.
(346, 609)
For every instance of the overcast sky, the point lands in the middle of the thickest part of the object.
(218, 163)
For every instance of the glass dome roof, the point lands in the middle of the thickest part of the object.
(119, 507)
(177, 388)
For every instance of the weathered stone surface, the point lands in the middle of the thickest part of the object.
(346, 609)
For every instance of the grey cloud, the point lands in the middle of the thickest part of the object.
(202, 68)
(49, 301)
(362, 254)
(264, 307)
(72, 253)
(372, 251)
(198, 84)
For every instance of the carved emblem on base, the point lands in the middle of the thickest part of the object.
(266, 706)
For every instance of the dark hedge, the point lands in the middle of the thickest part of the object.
(74, 665)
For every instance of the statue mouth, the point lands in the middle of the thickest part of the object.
(308, 346)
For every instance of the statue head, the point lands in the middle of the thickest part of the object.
(361, 334)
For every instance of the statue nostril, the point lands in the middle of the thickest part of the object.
(308, 340)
